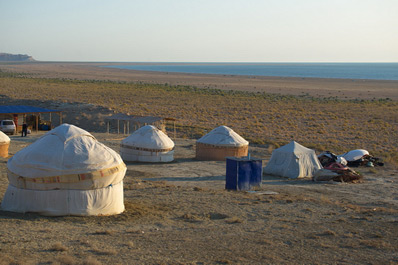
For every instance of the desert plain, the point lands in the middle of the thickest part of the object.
(180, 212)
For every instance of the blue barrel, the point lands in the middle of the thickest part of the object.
(243, 173)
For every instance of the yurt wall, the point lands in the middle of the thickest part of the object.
(219, 153)
(138, 154)
(4, 144)
(4, 149)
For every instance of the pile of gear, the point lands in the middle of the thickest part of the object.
(337, 167)
(361, 157)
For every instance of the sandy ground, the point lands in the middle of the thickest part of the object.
(317, 87)
(180, 213)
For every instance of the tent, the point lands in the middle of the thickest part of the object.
(65, 172)
(147, 144)
(354, 155)
(220, 143)
(293, 161)
(4, 144)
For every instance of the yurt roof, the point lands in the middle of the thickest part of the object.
(149, 137)
(4, 138)
(223, 136)
(64, 150)
(294, 147)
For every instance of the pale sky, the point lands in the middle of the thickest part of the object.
(201, 30)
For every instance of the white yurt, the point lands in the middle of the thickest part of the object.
(293, 161)
(65, 172)
(220, 143)
(147, 144)
(4, 144)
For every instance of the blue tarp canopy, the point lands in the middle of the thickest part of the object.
(19, 109)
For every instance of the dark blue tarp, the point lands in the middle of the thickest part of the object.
(18, 109)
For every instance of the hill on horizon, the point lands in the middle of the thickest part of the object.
(8, 57)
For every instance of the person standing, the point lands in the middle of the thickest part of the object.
(24, 129)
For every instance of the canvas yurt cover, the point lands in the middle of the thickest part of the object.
(4, 144)
(220, 143)
(147, 144)
(293, 161)
(65, 172)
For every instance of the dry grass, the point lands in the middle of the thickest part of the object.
(321, 124)
(106, 232)
(224, 261)
(91, 261)
(6, 259)
(329, 233)
(66, 260)
(234, 220)
(375, 243)
(130, 244)
(58, 246)
(106, 252)
(192, 218)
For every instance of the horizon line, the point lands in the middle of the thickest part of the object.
(203, 62)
